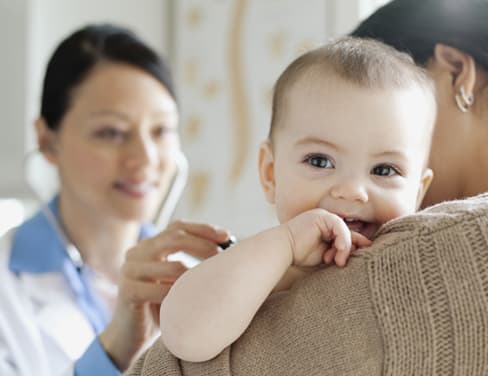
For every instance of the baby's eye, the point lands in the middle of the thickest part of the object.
(385, 170)
(319, 161)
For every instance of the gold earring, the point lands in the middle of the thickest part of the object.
(463, 101)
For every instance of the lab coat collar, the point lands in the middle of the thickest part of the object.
(37, 248)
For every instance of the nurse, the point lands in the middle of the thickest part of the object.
(108, 124)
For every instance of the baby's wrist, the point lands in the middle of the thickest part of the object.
(290, 246)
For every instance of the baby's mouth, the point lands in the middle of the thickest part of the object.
(366, 229)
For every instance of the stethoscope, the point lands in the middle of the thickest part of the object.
(161, 220)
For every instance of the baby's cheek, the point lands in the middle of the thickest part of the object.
(287, 208)
(285, 213)
(396, 208)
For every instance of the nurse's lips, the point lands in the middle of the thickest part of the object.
(135, 190)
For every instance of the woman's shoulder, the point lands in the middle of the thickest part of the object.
(448, 214)
(5, 250)
(10, 282)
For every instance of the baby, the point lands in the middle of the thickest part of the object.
(347, 151)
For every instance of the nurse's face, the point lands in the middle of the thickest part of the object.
(116, 145)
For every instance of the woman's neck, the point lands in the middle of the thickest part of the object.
(476, 164)
(476, 176)
(101, 241)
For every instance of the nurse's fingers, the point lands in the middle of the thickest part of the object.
(213, 233)
(138, 292)
(171, 241)
(165, 272)
(198, 239)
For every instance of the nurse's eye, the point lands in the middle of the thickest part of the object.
(385, 170)
(161, 131)
(110, 134)
(319, 161)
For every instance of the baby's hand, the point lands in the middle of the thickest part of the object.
(318, 236)
(357, 241)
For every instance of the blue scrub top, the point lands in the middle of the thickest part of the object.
(37, 248)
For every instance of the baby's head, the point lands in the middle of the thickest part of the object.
(350, 132)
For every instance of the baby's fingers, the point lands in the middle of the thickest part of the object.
(359, 240)
(329, 255)
(341, 247)
(341, 256)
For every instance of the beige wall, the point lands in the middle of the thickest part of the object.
(13, 92)
(226, 55)
(226, 95)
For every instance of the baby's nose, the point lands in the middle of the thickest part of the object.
(349, 189)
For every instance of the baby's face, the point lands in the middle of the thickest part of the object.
(356, 152)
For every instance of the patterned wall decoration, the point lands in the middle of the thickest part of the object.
(239, 103)
(227, 56)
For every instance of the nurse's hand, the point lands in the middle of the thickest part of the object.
(145, 280)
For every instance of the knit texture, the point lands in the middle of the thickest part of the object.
(415, 303)
(428, 277)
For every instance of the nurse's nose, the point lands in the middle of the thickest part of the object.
(142, 151)
(350, 189)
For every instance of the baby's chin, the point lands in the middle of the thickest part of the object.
(367, 229)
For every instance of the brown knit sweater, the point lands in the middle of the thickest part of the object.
(416, 303)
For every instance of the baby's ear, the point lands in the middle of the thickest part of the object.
(425, 181)
(266, 171)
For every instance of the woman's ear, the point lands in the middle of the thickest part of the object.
(462, 68)
(266, 171)
(425, 181)
(46, 140)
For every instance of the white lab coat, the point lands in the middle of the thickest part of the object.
(42, 330)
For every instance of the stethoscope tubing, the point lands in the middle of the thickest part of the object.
(161, 220)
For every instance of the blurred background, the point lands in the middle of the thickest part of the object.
(226, 55)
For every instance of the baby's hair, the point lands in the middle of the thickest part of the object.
(363, 62)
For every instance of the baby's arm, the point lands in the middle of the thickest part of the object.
(211, 305)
